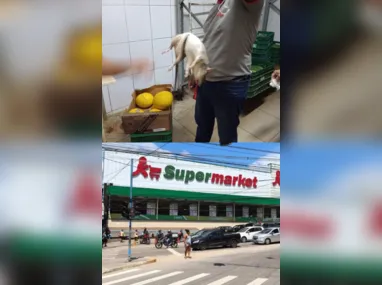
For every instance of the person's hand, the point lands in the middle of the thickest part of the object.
(141, 65)
(276, 75)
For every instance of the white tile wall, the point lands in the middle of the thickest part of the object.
(161, 21)
(133, 29)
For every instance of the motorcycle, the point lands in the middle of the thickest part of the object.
(145, 240)
(159, 243)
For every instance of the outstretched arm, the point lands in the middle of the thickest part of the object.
(113, 67)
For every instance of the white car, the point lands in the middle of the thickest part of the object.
(248, 233)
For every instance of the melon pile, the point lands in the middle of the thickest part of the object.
(146, 102)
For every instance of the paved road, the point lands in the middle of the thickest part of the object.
(119, 250)
(258, 265)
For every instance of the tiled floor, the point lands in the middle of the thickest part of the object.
(262, 124)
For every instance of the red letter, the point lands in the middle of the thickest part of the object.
(141, 168)
(241, 181)
(155, 172)
(248, 182)
(277, 178)
(228, 180)
(254, 182)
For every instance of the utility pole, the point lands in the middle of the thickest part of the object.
(106, 203)
(130, 206)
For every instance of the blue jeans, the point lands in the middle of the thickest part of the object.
(224, 101)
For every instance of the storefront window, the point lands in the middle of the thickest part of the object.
(245, 212)
(164, 207)
(212, 210)
(194, 210)
(267, 213)
(204, 209)
(221, 210)
(184, 208)
(238, 211)
(229, 211)
(173, 209)
(151, 208)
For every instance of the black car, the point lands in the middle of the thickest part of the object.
(238, 228)
(214, 238)
(226, 229)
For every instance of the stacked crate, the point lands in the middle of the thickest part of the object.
(260, 79)
(264, 56)
(261, 52)
(152, 137)
(275, 53)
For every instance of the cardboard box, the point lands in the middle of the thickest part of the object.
(147, 122)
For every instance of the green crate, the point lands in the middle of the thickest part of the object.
(262, 45)
(260, 68)
(265, 36)
(256, 91)
(264, 60)
(260, 56)
(256, 86)
(255, 80)
(276, 46)
(256, 52)
(152, 137)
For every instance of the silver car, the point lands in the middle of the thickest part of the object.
(267, 236)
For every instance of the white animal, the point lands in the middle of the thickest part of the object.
(195, 52)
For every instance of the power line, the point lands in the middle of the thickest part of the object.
(191, 159)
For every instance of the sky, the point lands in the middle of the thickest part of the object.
(310, 168)
(239, 155)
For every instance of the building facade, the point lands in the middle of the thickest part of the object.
(166, 189)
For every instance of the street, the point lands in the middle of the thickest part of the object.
(248, 264)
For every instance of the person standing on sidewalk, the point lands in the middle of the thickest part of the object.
(122, 235)
(229, 34)
(104, 239)
(187, 244)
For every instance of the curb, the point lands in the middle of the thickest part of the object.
(130, 265)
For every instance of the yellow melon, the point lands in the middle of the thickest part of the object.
(144, 100)
(154, 110)
(163, 100)
(136, 110)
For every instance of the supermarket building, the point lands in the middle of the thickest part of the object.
(170, 191)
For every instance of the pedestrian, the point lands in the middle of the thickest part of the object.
(136, 235)
(180, 235)
(104, 239)
(187, 244)
(122, 235)
(229, 34)
(108, 233)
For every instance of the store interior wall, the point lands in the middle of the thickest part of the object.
(273, 21)
(134, 29)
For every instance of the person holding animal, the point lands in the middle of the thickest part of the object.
(221, 65)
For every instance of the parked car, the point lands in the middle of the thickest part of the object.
(264, 225)
(270, 225)
(214, 238)
(200, 232)
(237, 228)
(247, 234)
(226, 229)
(267, 236)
